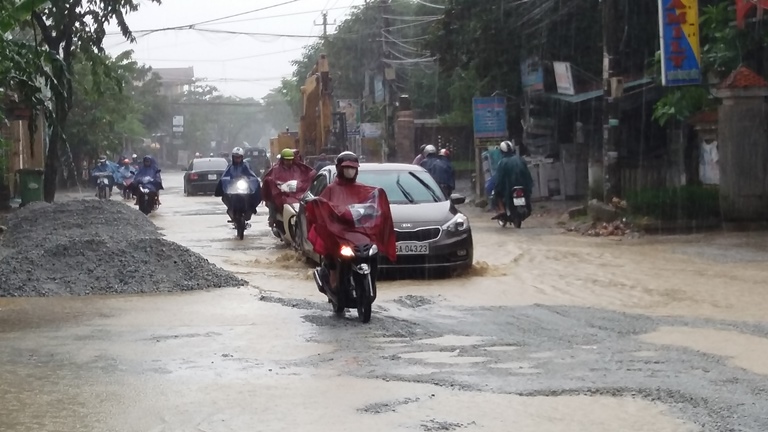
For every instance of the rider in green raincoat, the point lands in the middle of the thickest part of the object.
(511, 172)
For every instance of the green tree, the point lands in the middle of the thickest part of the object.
(71, 28)
(24, 69)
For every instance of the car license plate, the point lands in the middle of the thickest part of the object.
(211, 176)
(518, 201)
(412, 248)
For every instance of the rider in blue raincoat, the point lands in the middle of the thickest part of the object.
(148, 168)
(238, 168)
(440, 170)
(109, 167)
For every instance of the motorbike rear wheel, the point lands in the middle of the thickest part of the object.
(102, 193)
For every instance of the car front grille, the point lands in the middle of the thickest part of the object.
(419, 235)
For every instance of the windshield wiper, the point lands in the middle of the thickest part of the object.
(405, 193)
(426, 185)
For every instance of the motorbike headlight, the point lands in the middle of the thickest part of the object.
(374, 250)
(457, 224)
(347, 251)
(242, 186)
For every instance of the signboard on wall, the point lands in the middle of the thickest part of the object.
(680, 49)
(564, 78)
(490, 117)
(532, 75)
(351, 109)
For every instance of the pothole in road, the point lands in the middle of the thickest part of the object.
(742, 350)
(443, 357)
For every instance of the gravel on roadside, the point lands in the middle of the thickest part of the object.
(85, 247)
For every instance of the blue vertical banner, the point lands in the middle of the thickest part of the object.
(680, 48)
(490, 117)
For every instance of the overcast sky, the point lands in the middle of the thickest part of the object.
(239, 65)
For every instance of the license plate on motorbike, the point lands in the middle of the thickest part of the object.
(211, 176)
(411, 248)
(518, 201)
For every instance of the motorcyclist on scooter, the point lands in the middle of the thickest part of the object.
(512, 172)
(329, 220)
(103, 165)
(440, 169)
(285, 170)
(238, 168)
(148, 168)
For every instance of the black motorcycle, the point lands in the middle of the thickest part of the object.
(515, 213)
(146, 192)
(357, 270)
(238, 194)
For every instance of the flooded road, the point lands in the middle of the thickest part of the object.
(549, 332)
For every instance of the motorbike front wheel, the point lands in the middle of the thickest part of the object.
(144, 205)
(364, 299)
(102, 193)
(240, 225)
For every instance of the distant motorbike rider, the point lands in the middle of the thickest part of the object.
(322, 162)
(345, 191)
(198, 155)
(286, 169)
(238, 168)
(104, 165)
(420, 156)
(440, 169)
(445, 154)
(512, 172)
(135, 160)
(149, 168)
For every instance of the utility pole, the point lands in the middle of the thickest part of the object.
(324, 23)
(385, 83)
(613, 88)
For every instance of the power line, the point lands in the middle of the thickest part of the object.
(282, 15)
(149, 31)
(224, 60)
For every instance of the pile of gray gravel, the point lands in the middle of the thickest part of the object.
(86, 247)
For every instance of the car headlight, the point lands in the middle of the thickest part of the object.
(458, 223)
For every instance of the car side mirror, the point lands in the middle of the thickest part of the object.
(458, 199)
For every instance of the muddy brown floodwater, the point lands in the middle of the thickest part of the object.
(549, 332)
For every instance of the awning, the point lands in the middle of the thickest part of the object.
(581, 97)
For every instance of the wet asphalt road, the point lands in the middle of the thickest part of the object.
(550, 332)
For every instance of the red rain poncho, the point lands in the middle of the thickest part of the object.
(278, 174)
(331, 222)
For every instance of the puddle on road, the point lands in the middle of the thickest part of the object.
(455, 340)
(517, 367)
(502, 348)
(218, 404)
(443, 357)
(743, 350)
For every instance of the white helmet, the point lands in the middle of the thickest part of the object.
(430, 149)
(238, 151)
(507, 147)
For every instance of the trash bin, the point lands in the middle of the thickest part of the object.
(30, 185)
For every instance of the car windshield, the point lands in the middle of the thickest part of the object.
(210, 165)
(404, 187)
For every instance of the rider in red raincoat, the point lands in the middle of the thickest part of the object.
(285, 170)
(330, 223)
